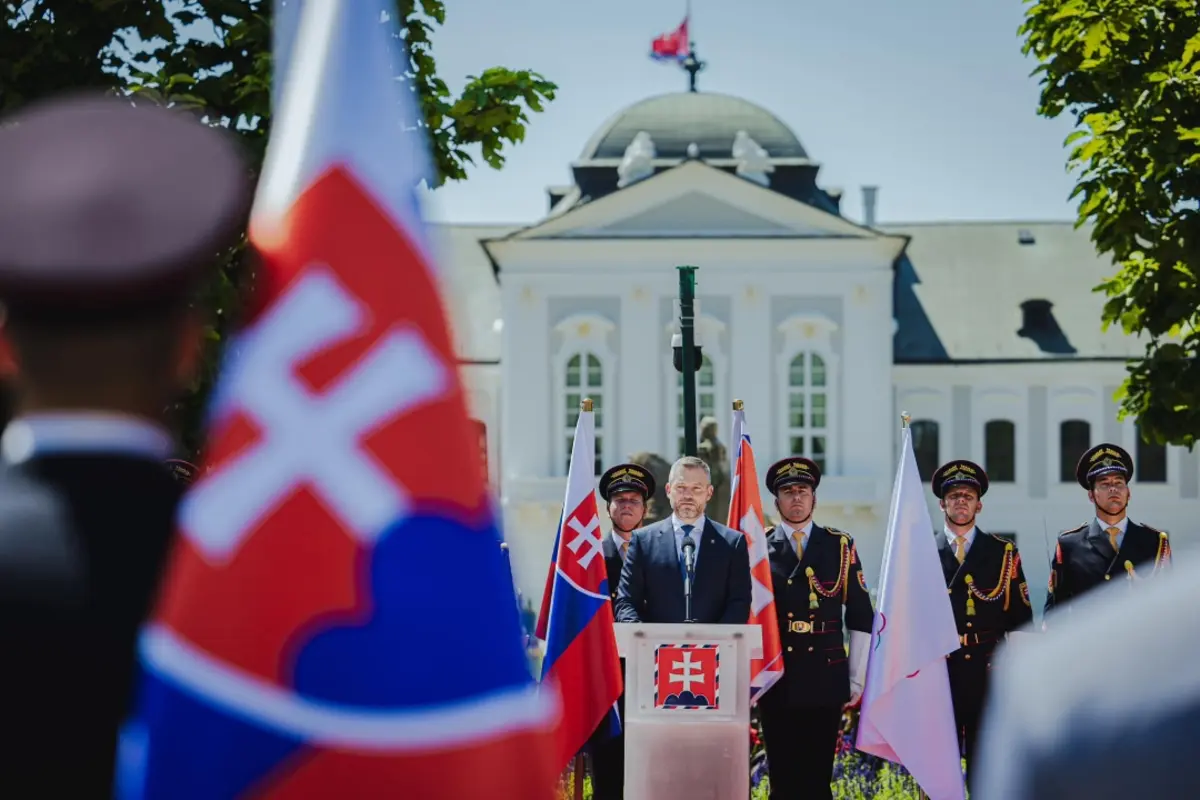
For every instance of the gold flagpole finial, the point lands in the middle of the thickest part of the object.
(586, 404)
(904, 418)
(738, 405)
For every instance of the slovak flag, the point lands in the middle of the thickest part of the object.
(581, 660)
(745, 516)
(337, 619)
(671, 46)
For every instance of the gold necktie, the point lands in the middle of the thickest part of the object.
(798, 536)
(1113, 533)
(960, 548)
(624, 548)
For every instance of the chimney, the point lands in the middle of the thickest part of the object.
(1036, 317)
(869, 195)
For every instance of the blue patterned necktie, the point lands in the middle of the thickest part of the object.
(687, 535)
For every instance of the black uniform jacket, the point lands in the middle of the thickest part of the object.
(1084, 559)
(990, 597)
(82, 540)
(816, 670)
(612, 563)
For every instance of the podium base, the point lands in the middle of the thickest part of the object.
(699, 760)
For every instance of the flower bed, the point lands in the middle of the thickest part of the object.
(856, 776)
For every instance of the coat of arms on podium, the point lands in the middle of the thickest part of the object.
(687, 677)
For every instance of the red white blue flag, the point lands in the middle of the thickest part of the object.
(672, 46)
(338, 619)
(745, 516)
(581, 658)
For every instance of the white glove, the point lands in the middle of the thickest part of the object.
(860, 647)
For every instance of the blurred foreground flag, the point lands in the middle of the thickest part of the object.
(338, 620)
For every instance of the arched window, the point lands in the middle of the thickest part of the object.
(1074, 438)
(927, 447)
(1000, 450)
(583, 377)
(1150, 460)
(808, 407)
(706, 397)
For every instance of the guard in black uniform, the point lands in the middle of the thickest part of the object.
(816, 575)
(626, 489)
(1111, 546)
(110, 216)
(987, 589)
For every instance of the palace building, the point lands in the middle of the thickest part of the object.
(987, 334)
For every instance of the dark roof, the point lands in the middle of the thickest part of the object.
(709, 120)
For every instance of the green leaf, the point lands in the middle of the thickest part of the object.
(91, 44)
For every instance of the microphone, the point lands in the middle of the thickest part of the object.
(689, 563)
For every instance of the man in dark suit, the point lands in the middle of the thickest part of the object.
(1110, 546)
(988, 593)
(626, 489)
(816, 576)
(652, 578)
(110, 216)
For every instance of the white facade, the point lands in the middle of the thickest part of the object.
(922, 319)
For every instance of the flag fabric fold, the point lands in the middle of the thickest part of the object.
(746, 516)
(581, 662)
(907, 714)
(337, 618)
(542, 630)
(671, 46)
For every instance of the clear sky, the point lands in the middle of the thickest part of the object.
(931, 100)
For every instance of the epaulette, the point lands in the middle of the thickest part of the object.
(1073, 530)
(839, 532)
(1001, 539)
(1153, 530)
(768, 531)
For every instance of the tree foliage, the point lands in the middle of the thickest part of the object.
(214, 57)
(1129, 73)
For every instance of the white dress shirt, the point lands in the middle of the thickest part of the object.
(619, 542)
(805, 532)
(952, 538)
(1122, 525)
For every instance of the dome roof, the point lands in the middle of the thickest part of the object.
(709, 120)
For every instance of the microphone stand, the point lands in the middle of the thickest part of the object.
(689, 556)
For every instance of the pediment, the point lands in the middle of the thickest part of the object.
(695, 200)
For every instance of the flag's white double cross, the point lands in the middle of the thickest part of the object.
(690, 672)
(589, 537)
(308, 438)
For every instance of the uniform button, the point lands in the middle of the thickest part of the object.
(789, 648)
(789, 581)
(967, 656)
(970, 625)
(790, 615)
(812, 616)
(810, 649)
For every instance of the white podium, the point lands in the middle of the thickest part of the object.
(687, 710)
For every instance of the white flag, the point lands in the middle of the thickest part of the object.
(907, 714)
